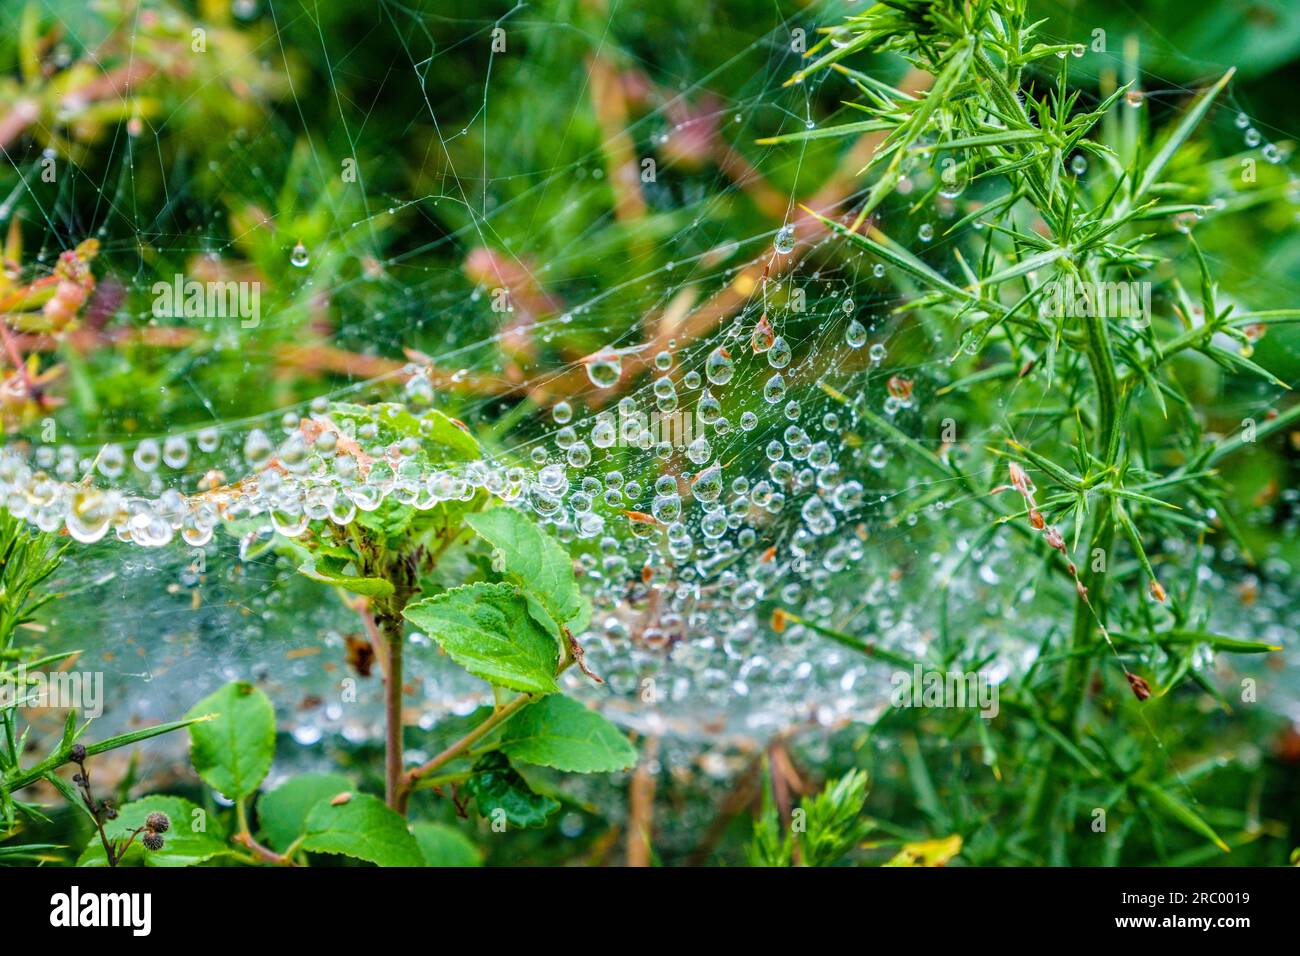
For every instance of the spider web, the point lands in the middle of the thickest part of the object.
(487, 248)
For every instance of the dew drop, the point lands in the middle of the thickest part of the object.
(784, 241)
(719, 368)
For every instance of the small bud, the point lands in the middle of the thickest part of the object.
(1037, 520)
(78, 753)
(110, 813)
(1158, 591)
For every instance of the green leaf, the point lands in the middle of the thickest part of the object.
(559, 732)
(534, 559)
(362, 828)
(441, 438)
(370, 587)
(445, 431)
(487, 629)
(182, 844)
(441, 845)
(233, 751)
(282, 813)
(498, 786)
(1179, 136)
(1177, 810)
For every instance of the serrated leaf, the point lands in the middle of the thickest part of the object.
(561, 733)
(182, 845)
(391, 519)
(534, 559)
(362, 828)
(497, 786)
(441, 845)
(488, 630)
(232, 752)
(282, 813)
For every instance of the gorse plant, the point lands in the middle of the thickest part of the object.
(1063, 296)
(27, 561)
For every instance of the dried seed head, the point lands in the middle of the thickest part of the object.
(1037, 521)
(1020, 481)
(1141, 689)
(157, 822)
(152, 841)
(1055, 540)
(78, 753)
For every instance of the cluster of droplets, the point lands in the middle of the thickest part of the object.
(319, 467)
(731, 514)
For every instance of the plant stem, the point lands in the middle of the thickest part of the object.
(1094, 578)
(499, 716)
(391, 626)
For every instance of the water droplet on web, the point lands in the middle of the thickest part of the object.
(605, 369)
(778, 356)
(147, 455)
(257, 448)
(708, 484)
(784, 241)
(176, 452)
(719, 368)
(112, 461)
(603, 433)
(562, 412)
(856, 334)
(774, 389)
(299, 257)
